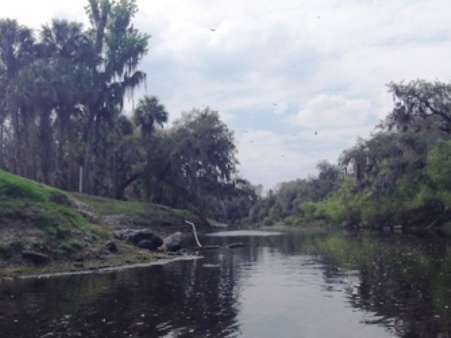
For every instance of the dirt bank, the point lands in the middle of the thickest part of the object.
(58, 248)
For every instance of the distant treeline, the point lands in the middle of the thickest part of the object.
(400, 175)
(62, 92)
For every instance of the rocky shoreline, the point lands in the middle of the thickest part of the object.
(126, 242)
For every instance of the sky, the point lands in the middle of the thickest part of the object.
(298, 81)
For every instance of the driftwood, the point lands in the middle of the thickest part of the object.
(207, 247)
(194, 232)
(211, 247)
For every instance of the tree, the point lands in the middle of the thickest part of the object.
(202, 159)
(16, 51)
(147, 115)
(128, 159)
(66, 47)
(118, 48)
(236, 205)
(419, 101)
(32, 95)
(439, 170)
(64, 95)
(329, 178)
(63, 39)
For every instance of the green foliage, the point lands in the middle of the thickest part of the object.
(61, 120)
(295, 202)
(63, 93)
(199, 168)
(344, 206)
(439, 169)
(402, 173)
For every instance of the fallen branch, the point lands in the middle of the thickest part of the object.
(194, 232)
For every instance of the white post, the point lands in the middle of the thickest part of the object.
(80, 180)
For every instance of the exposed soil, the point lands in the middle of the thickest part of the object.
(79, 250)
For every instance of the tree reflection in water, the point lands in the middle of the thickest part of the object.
(398, 282)
(405, 281)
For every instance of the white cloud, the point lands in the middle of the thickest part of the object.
(333, 111)
(266, 158)
(269, 158)
(37, 13)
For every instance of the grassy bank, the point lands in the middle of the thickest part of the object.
(69, 229)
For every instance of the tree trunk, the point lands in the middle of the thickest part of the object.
(80, 179)
(2, 165)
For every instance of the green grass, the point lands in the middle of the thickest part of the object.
(51, 208)
(105, 206)
(45, 219)
(46, 206)
(14, 187)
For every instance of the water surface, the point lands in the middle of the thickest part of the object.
(278, 285)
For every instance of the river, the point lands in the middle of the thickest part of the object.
(293, 284)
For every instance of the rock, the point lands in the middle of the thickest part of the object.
(123, 235)
(112, 247)
(142, 238)
(149, 244)
(36, 257)
(173, 242)
(136, 236)
(59, 198)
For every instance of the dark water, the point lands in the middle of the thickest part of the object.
(279, 285)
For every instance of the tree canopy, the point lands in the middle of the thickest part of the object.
(62, 118)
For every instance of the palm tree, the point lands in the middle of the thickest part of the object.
(147, 115)
(69, 49)
(16, 50)
(118, 48)
(64, 39)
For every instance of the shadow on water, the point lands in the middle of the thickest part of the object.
(178, 299)
(299, 284)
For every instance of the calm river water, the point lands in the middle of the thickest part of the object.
(279, 285)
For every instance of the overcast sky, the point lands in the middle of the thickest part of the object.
(297, 80)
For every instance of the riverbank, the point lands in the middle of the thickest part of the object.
(45, 230)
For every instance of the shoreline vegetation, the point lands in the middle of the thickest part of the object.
(75, 232)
